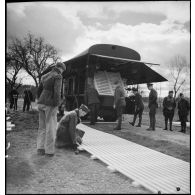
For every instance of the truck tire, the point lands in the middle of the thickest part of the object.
(109, 118)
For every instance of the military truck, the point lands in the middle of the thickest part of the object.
(102, 64)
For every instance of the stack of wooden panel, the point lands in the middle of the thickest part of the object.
(156, 171)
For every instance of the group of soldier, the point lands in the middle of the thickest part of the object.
(27, 96)
(169, 105)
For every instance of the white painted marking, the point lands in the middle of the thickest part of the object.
(8, 145)
(93, 157)
(8, 129)
(80, 148)
(111, 169)
(136, 184)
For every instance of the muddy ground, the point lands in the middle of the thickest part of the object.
(26, 172)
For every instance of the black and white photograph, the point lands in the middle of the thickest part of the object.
(97, 97)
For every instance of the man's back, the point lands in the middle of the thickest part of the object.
(153, 97)
(50, 89)
(138, 100)
(66, 129)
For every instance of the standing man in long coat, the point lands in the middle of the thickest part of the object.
(183, 111)
(93, 102)
(28, 97)
(168, 110)
(153, 105)
(119, 103)
(49, 98)
(139, 107)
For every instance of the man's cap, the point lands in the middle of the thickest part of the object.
(134, 89)
(61, 65)
(149, 84)
(180, 94)
(170, 91)
(84, 108)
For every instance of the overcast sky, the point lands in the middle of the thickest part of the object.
(157, 30)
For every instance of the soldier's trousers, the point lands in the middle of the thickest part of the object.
(139, 113)
(26, 105)
(94, 108)
(152, 116)
(183, 120)
(168, 116)
(47, 128)
(120, 110)
(14, 104)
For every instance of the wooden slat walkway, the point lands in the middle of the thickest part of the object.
(156, 171)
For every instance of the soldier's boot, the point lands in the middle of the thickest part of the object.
(75, 148)
(170, 126)
(181, 128)
(166, 122)
(184, 128)
(153, 123)
(118, 127)
(134, 119)
(140, 121)
(150, 128)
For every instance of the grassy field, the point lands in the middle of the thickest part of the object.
(65, 173)
(69, 173)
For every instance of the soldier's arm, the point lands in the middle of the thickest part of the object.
(57, 90)
(164, 102)
(97, 94)
(117, 96)
(174, 104)
(178, 106)
(72, 127)
(188, 106)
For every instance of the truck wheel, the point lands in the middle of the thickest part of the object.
(109, 118)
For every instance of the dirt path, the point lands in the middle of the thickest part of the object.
(26, 172)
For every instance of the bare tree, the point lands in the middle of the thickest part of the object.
(33, 54)
(13, 68)
(179, 68)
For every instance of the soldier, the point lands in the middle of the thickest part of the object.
(14, 98)
(49, 98)
(139, 107)
(93, 102)
(168, 109)
(119, 103)
(28, 97)
(67, 134)
(183, 111)
(153, 105)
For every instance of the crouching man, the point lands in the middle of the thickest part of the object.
(67, 135)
